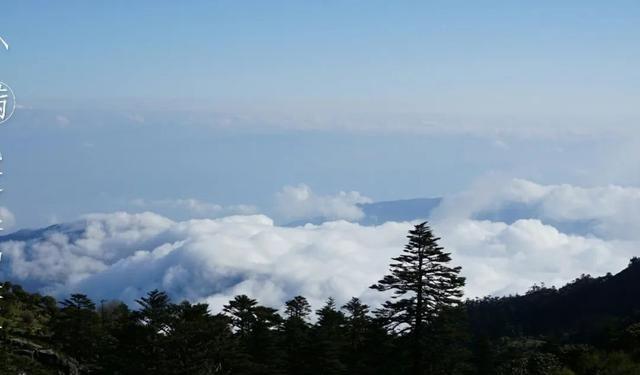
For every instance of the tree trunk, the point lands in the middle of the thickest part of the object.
(417, 331)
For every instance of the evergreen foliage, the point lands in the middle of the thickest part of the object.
(423, 286)
(590, 326)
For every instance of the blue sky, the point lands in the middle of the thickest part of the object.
(228, 101)
(540, 57)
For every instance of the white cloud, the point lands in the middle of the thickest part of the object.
(62, 121)
(8, 219)
(195, 208)
(609, 212)
(499, 258)
(300, 202)
(124, 255)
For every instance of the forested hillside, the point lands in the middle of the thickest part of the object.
(590, 326)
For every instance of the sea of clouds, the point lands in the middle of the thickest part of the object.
(554, 234)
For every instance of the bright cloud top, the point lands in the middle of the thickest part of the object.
(300, 202)
(609, 212)
(124, 255)
(195, 207)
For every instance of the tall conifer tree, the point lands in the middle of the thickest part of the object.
(423, 284)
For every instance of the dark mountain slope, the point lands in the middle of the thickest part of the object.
(582, 310)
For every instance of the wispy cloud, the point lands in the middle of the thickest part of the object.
(195, 208)
(300, 202)
(7, 218)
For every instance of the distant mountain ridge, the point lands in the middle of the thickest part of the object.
(399, 210)
(72, 229)
(377, 213)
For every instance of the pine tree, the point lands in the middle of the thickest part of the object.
(296, 333)
(155, 311)
(298, 307)
(329, 316)
(241, 310)
(77, 328)
(357, 324)
(199, 343)
(423, 284)
(264, 345)
(255, 327)
(152, 325)
(329, 339)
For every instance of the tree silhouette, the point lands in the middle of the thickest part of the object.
(298, 307)
(255, 327)
(423, 284)
(589, 326)
(76, 327)
(356, 327)
(329, 339)
(296, 336)
(151, 326)
(155, 312)
(199, 342)
(242, 312)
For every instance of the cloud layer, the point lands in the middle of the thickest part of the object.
(300, 202)
(608, 212)
(194, 208)
(123, 255)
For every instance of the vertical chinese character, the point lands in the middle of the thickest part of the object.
(4, 97)
(7, 102)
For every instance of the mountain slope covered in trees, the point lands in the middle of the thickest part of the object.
(590, 326)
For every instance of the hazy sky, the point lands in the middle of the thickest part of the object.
(522, 115)
(229, 101)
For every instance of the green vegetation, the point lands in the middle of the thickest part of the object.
(588, 327)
